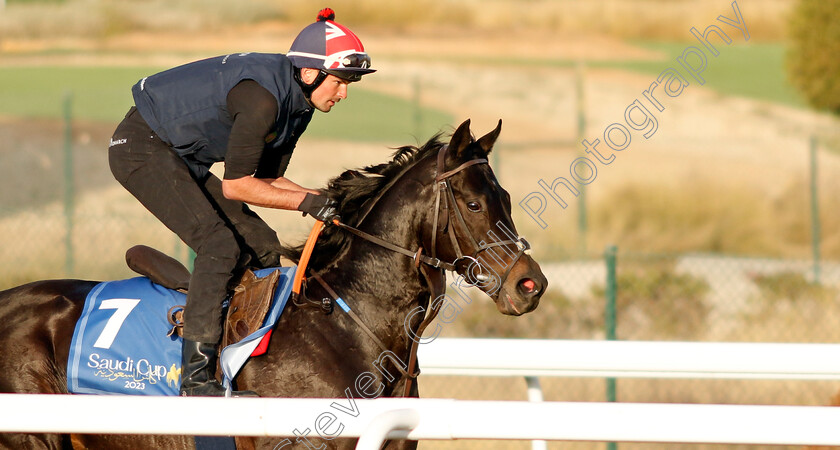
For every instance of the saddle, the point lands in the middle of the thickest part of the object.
(248, 306)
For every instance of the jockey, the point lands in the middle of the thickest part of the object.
(248, 110)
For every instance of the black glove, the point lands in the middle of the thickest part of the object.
(320, 207)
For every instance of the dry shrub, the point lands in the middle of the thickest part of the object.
(789, 307)
(557, 317)
(713, 216)
(654, 302)
(812, 63)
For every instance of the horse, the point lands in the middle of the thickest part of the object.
(431, 209)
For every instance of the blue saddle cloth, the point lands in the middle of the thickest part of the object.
(120, 344)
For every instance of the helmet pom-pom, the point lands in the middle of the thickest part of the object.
(325, 14)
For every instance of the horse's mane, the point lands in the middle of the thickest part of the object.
(352, 190)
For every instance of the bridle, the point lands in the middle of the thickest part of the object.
(445, 203)
(431, 267)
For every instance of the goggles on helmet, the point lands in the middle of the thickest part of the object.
(353, 60)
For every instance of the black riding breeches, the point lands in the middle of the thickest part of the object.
(225, 234)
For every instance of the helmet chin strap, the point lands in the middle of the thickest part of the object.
(308, 88)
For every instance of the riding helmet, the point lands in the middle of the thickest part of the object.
(331, 48)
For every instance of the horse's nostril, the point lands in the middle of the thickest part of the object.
(527, 285)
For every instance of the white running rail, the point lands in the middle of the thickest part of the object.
(377, 419)
(630, 359)
(435, 419)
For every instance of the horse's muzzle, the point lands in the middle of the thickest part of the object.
(522, 290)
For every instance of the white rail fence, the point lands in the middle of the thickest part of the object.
(424, 419)
(534, 358)
(630, 359)
(376, 419)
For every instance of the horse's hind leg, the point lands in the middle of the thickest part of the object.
(31, 380)
(36, 325)
(35, 441)
(32, 377)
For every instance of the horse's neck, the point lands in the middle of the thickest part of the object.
(384, 287)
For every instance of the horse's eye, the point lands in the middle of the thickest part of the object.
(474, 206)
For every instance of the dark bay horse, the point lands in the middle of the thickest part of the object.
(431, 208)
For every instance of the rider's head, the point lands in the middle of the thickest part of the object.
(325, 49)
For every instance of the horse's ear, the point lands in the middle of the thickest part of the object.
(486, 142)
(461, 139)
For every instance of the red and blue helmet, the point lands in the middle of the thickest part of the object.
(330, 47)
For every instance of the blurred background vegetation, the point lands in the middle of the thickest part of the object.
(652, 19)
(726, 221)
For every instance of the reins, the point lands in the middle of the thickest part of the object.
(417, 256)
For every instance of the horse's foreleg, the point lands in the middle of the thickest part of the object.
(398, 391)
(401, 445)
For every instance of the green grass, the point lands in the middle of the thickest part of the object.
(743, 69)
(750, 70)
(104, 94)
(371, 116)
(99, 93)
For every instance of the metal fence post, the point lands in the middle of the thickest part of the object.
(610, 318)
(69, 184)
(815, 211)
(581, 129)
(535, 394)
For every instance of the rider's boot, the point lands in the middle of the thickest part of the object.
(198, 368)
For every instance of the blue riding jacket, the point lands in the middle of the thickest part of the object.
(187, 105)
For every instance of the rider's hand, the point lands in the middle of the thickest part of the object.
(320, 207)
